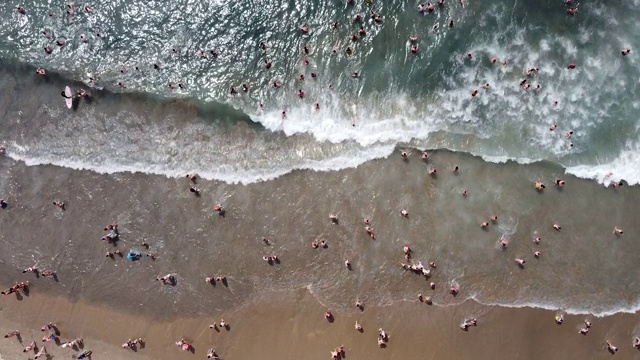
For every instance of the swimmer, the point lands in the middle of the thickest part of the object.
(469, 55)
(504, 242)
(453, 291)
(464, 193)
(474, 92)
(536, 240)
(413, 38)
(21, 10)
(559, 183)
(404, 155)
(494, 218)
(41, 72)
(404, 213)
(520, 262)
(424, 156)
(484, 224)
(617, 231)
(304, 29)
(571, 66)
(626, 52)
(494, 60)
(414, 49)
(553, 126)
(557, 227)
(450, 23)
(485, 86)
(568, 134)
(300, 94)
(536, 254)
(432, 171)
(539, 186)
(267, 64)
(314, 244)
(316, 106)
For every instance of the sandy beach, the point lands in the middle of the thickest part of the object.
(276, 311)
(289, 325)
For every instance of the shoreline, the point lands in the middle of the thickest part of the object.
(154, 108)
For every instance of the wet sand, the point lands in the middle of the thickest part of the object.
(269, 307)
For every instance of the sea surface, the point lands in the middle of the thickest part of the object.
(398, 101)
(418, 100)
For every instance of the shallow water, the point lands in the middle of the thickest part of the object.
(423, 100)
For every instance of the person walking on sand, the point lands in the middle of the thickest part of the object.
(47, 327)
(612, 349)
(358, 326)
(211, 354)
(11, 334)
(29, 347)
(43, 351)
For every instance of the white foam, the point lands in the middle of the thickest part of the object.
(227, 173)
(569, 309)
(624, 167)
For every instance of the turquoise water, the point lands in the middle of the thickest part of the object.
(419, 100)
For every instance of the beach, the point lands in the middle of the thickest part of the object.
(447, 174)
(268, 305)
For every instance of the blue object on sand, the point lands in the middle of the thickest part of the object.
(134, 254)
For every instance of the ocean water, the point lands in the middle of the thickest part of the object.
(400, 100)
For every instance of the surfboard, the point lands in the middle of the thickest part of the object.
(69, 96)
